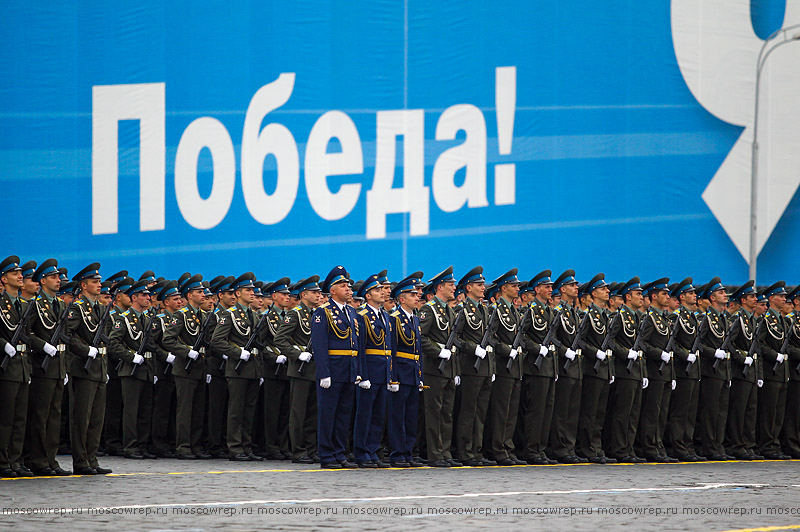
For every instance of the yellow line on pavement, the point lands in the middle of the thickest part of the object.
(764, 528)
(320, 470)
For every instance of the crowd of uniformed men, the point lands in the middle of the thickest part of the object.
(377, 374)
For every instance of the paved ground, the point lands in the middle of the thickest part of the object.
(213, 495)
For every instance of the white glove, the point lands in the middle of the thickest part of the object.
(612, 379)
(325, 383)
(244, 356)
(781, 358)
(11, 350)
(155, 379)
(281, 359)
(719, 353)
(632, 355)
(421, 386)
(304, 356)
(224, 357)
(261, 381)
(193, 354)
(480, 352)
(208, 378)
(66, 380)
(601, 355)
(445, 354)
(513, 354)
(394, 388)
(92, 352)
(170, 358)
(674, 383)
(366, 385)
(543, 351)
(50, 349)
(493, 377)
(748, 361)
(457, 380)
(664, 356)
(645, 382)
(760, 383)
(691, 357)
(138, 359)
(570, 354)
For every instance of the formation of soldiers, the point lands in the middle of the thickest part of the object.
(377, 374)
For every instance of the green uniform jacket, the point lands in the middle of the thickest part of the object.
(179, 338)
(269, 351)
(770, 342)
(160, 324)
(82, 322)
(124, 342)
(710, 341)
(435, 320)
(536, 329)
(591, 343)
(291, 339)
(686, 335)
(655, 337)
(477, 318)
(19, 366)
(745, 326)
(42, 325)
(231, 334)
(622, 331)
(508, 322)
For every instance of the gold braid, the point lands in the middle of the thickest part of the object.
(342, 335)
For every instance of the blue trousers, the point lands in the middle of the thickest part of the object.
(403, 413)
(370, 421)
(334, 409)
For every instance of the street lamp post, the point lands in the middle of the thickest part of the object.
(774, 41)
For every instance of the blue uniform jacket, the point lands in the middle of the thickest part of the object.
(406, 349)
(335, 343)
(376, 340)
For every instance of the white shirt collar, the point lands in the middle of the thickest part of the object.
(407, 313)
(376, 311)
(340, 305)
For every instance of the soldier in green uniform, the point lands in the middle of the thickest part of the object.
(790, 437)
(244, 376)
(164, 400)
(746, 377)
(772, 396)
(683, 404)
(49, 374)
(507, 386)
(276, 383)
(135, 372)
(566, 410)
(538, 381)
(596, 382)
(16, 373)
(292, 339)
(476, 384)
(115, 285)
(656, 331)
(188, 369)
(436, 319)
(715, 370)
(629, 383)
(215, 366)
(88, 372)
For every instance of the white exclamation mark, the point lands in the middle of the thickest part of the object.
(505, 96)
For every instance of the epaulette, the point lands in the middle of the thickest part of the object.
(114, 311)
(184, 310)
(297, 307)
(362, 312)
(395, 313)
(124, 313)
(430, 303)
(38, 297)
(160, 315)
(217, 309)
(231, 309)
(324, 304)
(676, 311)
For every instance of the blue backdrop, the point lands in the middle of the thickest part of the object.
(611, 150)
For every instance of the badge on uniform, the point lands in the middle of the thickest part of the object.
(222, 320)
(318, 320)
(116, 325)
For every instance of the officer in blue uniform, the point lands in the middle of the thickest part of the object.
(406, 383)
(374, 368)
(335, 340)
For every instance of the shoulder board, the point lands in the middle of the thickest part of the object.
(231, 309)
(430, 303)
(676, 311)
(184, 310)
(113, 311)
(217, 310)
(39, 297)
(298, 307)
(161, 315)
(362, 312)
(395, 313)
(125, 313)
(324, 304)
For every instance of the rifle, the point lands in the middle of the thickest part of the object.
(696, 344)
(99, 336)
(55, 338)
(637, 344)
(487, 336)
(143, 346)
(670, 346)
(606, 341)
(277, 366)
(19, 333)
(201, 338)
(727, 344)
(518, 337)
(252, 340)
(451, 340)
(549, 337)
(302, 367)
(578, 337)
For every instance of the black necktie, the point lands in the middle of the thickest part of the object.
(250, 315)
(18, 306)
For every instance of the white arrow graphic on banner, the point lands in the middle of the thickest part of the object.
(717, 51)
